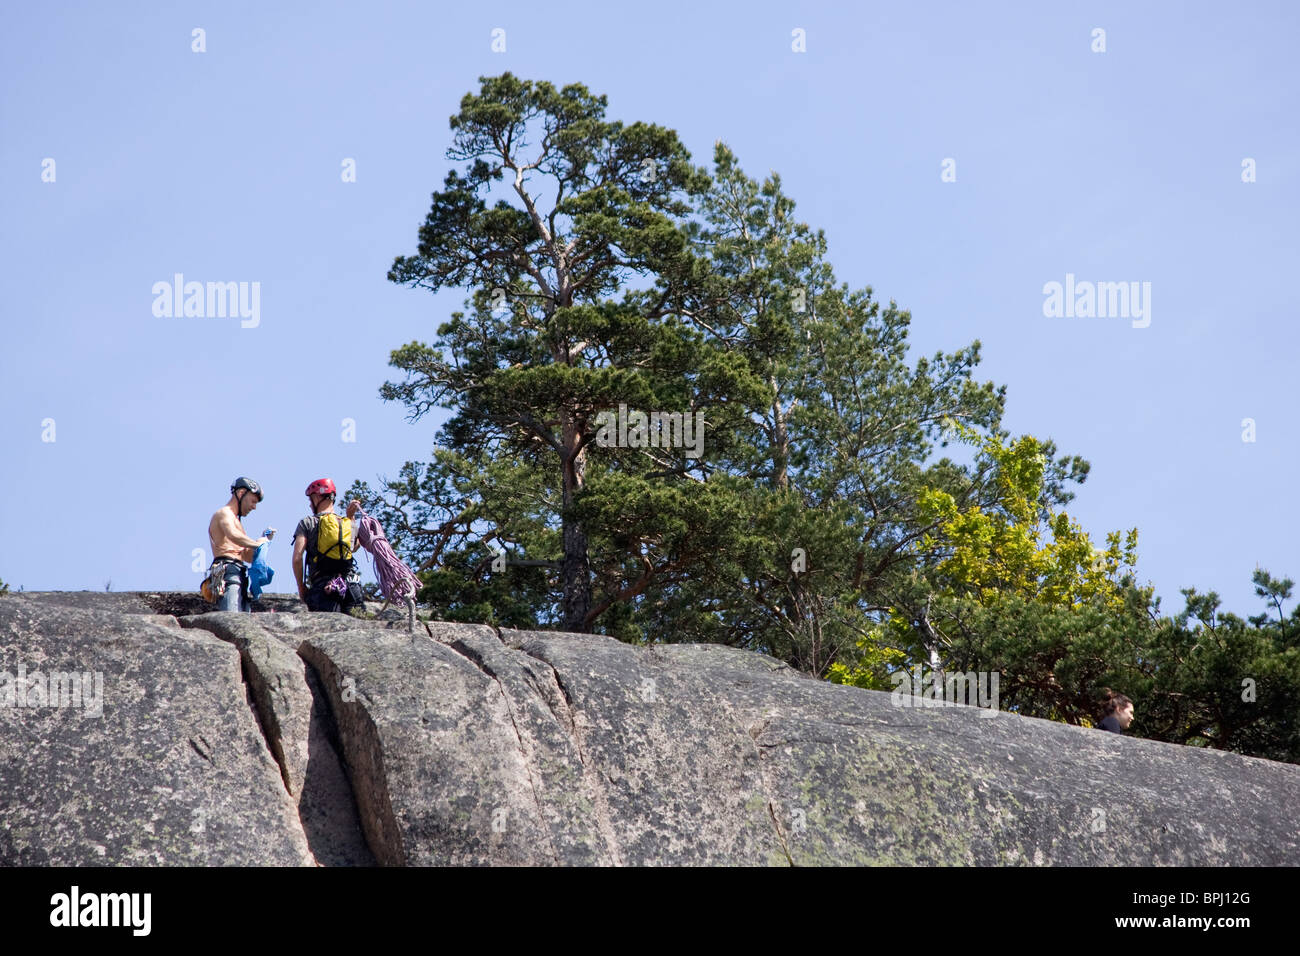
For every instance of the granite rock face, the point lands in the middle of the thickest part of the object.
(288, 738)
(155, 758)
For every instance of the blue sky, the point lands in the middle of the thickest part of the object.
(1122, 165)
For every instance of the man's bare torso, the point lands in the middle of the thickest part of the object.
(220, 530)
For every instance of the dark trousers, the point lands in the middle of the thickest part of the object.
(236, 596)
(318, 600)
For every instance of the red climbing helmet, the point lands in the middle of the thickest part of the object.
(322, 486)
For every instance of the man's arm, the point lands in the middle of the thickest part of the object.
(299, 547)
(353, 507)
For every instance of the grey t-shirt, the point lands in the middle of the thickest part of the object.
(307, 528)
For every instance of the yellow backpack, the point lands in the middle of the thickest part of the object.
(334, 538)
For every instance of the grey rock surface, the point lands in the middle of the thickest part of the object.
(293, 714)
(361, 743)
(165, 766)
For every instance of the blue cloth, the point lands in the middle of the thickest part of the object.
(259, 572)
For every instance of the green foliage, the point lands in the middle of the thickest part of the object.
(1019, 589)
(1213, 679)
(544, 349)
(1008, 583)
(875, 662)
(4, 588)
(816, 524)
(817, 429)
(988, 555)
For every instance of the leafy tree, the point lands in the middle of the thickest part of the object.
(1014, 586)
(1209, 678)
(1020, 589)
(813, 523)
(829, 467)
(818, 427)
(1275, 592)
(544, 351)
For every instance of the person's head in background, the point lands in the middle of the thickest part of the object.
(1117, 706)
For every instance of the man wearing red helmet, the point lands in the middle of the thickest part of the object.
(329, 584)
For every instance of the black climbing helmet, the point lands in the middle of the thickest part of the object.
(249, 484)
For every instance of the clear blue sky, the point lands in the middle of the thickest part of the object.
(225, 166)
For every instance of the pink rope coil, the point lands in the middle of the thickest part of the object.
(396, 580)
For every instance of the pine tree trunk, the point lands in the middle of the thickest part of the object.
(780, 445)
(576, 568)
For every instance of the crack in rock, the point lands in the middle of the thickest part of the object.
(780, 834)
(470, 655)
(363, 760)
(590, 774)
(204, 751)
(752, 735)
(323, 794)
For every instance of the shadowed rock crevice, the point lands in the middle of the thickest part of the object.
(293, 714)
(567, 801)
(363, 758)
(550, 692)
(476, 768)
(328, 804)
(260, 675)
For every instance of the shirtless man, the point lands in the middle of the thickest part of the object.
(231, 547)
